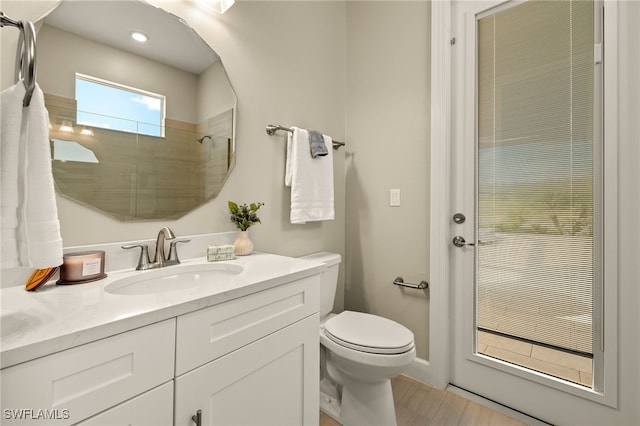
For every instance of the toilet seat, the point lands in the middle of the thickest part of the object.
(369, 333)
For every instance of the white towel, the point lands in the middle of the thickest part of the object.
(11, 112)
(30, 226)
(310, 179)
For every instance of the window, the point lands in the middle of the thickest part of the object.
(113, 106)
(536, 154)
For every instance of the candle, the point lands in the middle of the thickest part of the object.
(82, 267)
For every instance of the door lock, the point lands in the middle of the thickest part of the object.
(459, 241)
(459, 218)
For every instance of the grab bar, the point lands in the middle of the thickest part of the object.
(420, 286)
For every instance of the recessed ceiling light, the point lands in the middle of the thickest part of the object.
(138, 36)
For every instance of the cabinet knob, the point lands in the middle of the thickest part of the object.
(197, 418)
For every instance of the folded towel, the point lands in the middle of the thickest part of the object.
(316, 144)
(30, 226)
(310, 179)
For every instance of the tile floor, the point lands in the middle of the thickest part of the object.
(575, 368)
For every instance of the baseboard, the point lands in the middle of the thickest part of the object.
(422, 371)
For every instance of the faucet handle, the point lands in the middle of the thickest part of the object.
(143, 262)
(173, 251)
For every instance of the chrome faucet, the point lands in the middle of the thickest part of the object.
(160, 260)
(164, 234)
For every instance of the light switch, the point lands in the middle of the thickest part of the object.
(394, 197)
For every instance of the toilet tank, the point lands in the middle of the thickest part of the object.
(328, 280)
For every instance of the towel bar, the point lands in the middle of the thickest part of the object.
(273, 128)
(25, 55)
(420, 286)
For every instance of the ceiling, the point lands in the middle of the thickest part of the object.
(171, 40)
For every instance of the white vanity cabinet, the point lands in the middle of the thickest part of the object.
(70, 386)
(251, 361)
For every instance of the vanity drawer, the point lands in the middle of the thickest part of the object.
(152, 408)
(212, 332)
(74, 384)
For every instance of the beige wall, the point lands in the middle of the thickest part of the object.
(387, 132)
(214, 94)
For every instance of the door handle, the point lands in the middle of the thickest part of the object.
(459, 241)
(197, 418)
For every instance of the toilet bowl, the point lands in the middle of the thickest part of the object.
(359, 355)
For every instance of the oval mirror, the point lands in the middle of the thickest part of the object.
(139, 130)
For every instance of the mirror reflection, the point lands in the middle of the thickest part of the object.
(139, 130)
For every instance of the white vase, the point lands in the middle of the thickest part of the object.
(243, 243)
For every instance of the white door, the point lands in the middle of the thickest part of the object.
(526, 175)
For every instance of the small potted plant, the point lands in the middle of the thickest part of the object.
(244, 216)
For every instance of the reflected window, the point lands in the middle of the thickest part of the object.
(72, 151)
(113, 106)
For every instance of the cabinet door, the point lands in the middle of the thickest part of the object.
(153, 408)
(272, 381)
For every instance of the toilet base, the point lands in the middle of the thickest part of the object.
(330, 406)
(359, 403)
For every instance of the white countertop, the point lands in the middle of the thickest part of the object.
(59, 317)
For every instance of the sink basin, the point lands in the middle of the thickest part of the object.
(173, 278)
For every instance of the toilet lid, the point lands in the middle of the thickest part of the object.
(369, 333)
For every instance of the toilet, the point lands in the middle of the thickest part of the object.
(359, 355)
